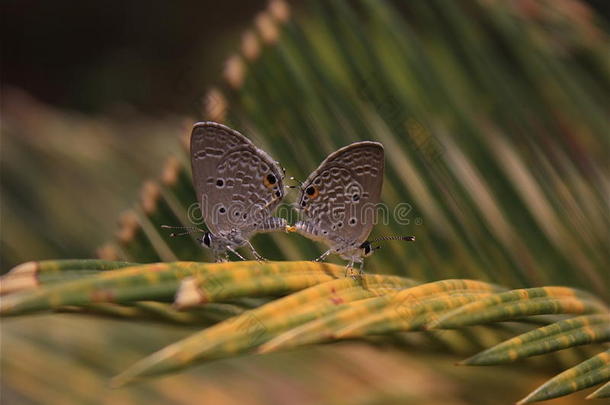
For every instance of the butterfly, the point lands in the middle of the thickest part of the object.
(238, 186)
(338, 202)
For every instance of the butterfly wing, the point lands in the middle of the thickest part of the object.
(238, 185)
(338, 200)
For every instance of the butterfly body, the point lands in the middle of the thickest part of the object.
(339, 200)
(238, 186)
(349, 250)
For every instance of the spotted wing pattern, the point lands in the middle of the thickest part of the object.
(237, 184)
(338, 200)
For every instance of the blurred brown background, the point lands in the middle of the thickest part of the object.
(97, 57)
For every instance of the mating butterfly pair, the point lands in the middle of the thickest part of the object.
(239, 186)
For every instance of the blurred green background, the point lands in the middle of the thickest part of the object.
(495, 120)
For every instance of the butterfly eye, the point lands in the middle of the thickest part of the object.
(312, 192)
(367, 249)
(207, 240)
(269, 180)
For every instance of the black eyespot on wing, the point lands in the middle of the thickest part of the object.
(220, 183)
(271, 178)
(352, 221)
(312, 192)
(222, 210)
(355, 197)
(278, 193)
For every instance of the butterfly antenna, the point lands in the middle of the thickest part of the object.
(293, 186)
(393, 237)
(191, 229)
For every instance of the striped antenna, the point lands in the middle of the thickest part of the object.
(293, 186)
(393, 237)
(191, 229)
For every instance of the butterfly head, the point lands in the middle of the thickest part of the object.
(368, 248)
(206, 240)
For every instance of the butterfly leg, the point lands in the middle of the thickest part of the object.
(221, 256)
(230, 249)
(349, 269)
(361, 268)
(323, 255)
(255, 253)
